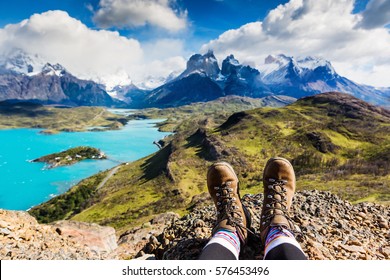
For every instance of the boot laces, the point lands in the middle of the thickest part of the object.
(276, 200)
(227, 207)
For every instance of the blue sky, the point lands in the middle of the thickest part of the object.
(207, 18)
(147, 39)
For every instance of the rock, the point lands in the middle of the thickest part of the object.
(352, 248)
(98, 238)
(146, 257)
(153, 240)
(199, 223)
(26, 239)
(362, 215)
(333, 232)
(385, 251)
(383, 224)
(165, 218)
(326, 228)
(5, 231)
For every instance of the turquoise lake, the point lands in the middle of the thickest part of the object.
(24, 184)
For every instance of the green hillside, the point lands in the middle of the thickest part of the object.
(54, 119)
(335, 142)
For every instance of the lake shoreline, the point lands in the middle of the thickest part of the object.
(21, 178)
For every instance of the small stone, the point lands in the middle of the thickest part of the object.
(5, 231)
(362, 215)
(153, 240)
(354, 242)
(353, 248)
(166, 242)
(385, 251)
(3, 224)
(199, 223)
(384, 224)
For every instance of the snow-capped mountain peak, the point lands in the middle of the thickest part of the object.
(312, 63)
(279, 59)
(53, 70)
(20, 62)
(282, 68)
(205, 64)
(232, 60)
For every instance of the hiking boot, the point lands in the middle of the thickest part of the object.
(279, 187)
(223, 186)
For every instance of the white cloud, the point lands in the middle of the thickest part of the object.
(135, 13)
(326, 28)
(87, 53)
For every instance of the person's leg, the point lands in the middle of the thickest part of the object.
(224, 245)
(276, 226)
(281, 244)
(230, 231)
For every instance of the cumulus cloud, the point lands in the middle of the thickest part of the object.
(136, 13)
(328, 29)
(86, 53)
(377, 14)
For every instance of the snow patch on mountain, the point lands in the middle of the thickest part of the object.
(20, 62)
(53, 70)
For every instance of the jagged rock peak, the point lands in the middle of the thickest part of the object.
(53, 69)
(301, 62)
(229, 65)
(280, 59)
(205, 64)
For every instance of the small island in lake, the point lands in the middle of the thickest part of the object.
(71, 156)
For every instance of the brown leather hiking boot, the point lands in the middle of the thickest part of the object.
(223, 186)
(279, 188)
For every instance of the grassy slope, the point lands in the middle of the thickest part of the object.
(346, 155)
(56, 119)
(217, 110)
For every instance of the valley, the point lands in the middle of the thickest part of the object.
(336, 143)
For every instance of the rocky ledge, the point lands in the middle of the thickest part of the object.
(327, 228)
(21, 237)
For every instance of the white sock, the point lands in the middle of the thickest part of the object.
(227, 239)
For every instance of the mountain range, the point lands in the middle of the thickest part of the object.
(28, 77)
(203, 80)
